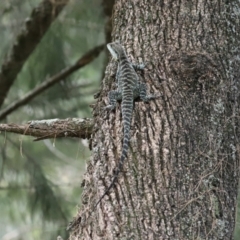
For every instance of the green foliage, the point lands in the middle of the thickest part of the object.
(40, 181)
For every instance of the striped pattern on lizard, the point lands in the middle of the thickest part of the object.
(129, 88)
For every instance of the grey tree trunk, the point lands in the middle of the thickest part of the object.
(180, 179)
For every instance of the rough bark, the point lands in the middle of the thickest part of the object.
(180, 179)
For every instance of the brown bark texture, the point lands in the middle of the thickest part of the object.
(180, 179)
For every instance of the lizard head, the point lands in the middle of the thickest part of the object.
(116, 50)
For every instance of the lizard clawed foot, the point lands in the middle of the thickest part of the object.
(109, 107)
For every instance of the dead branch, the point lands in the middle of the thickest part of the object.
(35, 27)
(84, 60)
(52, 128)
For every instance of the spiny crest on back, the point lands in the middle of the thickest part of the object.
(116, 50)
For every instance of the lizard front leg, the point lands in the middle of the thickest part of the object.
(140, 66)
(113, 97)
(143, 93)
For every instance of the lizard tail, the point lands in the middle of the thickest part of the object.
(127, 108)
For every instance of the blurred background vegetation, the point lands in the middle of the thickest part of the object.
(40, 181)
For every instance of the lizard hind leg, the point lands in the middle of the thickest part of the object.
(113, 97)
(143, 93)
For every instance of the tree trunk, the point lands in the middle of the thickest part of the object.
(180, 179)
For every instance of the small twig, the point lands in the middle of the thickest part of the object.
(84, 60)
(34, 29)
